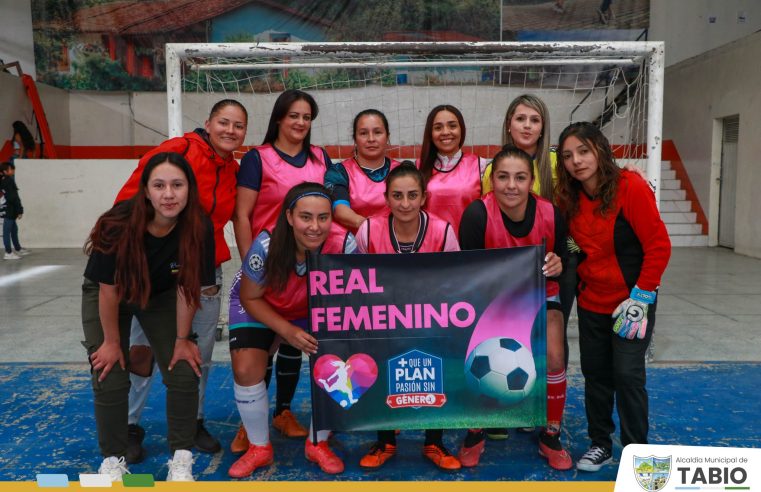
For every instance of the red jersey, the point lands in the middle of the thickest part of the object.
(450, 192)
(278, 177)
(216, 178)
(365, 195)
(381, 238)
(628, 246)
(291, 303)
(496, 234)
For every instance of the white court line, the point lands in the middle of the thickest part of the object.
(6, 280)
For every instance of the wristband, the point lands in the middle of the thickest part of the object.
(643, 296)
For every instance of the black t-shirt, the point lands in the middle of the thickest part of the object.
(473, 226)
(163, 261)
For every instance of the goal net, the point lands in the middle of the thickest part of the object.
(617, 85)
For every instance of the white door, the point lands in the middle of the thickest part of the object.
(727, 198)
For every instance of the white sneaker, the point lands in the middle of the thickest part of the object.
(113, 467)
(11, 256)
(558, 8)
(181, 467)
(23, 251)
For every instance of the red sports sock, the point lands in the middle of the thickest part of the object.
(556, 387)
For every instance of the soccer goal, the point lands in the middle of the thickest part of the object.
(617, 85)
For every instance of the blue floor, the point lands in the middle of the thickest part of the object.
(47, 426)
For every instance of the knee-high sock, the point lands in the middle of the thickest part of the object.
(253, 407)
(268, 374)
(287, 369)
(322, 435)
(556, 389)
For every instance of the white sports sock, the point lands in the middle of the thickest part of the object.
(253, 407)
(321, 435)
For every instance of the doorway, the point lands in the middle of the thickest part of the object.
(728, 180)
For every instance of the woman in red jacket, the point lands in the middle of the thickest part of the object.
(209, 150)
(625, 249)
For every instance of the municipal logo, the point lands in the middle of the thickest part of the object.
(652, 472)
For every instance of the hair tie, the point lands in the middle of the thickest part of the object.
(308, 193)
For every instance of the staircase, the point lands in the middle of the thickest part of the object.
(677, 211)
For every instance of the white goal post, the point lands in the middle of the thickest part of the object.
(617, 84)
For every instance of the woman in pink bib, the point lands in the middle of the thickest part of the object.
(358, 183)
(453, 176)
(285, 159)
(406, 228)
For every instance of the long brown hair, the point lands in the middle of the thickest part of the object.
(428, 151)
(543, 162)
(568, 188)
(121, 232)
(281, 256)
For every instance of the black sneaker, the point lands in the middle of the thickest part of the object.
(594, 459)
(205, 442)
(135, 451)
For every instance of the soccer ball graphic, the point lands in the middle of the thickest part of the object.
(501, 368)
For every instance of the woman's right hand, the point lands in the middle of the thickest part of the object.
(296, 337)
(104, 359)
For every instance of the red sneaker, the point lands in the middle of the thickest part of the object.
(550, 448)
(377, 456)
(255, 457)
(441, 457)
(469, 457)
(324, 457)
(287, 424)
(240, 443)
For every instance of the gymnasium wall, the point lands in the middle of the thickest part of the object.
(693, 27)
(720, 83)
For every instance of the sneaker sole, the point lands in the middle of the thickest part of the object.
(374, 468)
(543, 455)
(252, 471)
(297, 435)
(592, 468)
(329, 472)
(447, 470)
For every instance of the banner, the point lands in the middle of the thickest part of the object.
(428, 340)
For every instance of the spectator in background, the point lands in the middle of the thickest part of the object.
(13, 212)
(23, 142)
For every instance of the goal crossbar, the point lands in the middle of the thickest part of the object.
(265, 56)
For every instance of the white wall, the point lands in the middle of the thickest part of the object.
(16, 41)
(720, 83)
(63, 198)
(141, 118)
(687, 29)
(14, 104)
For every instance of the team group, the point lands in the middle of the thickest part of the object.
(151, 294)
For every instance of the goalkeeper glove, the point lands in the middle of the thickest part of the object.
(631, 314)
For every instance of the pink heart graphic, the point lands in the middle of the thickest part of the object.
(345, 382)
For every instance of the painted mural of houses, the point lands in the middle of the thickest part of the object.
(133, 32)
